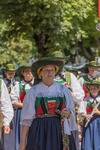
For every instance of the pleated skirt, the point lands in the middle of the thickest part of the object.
(91, 135)
(45, 134)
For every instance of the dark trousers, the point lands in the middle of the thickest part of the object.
(1, 148)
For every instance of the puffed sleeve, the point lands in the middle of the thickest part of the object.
(78, 92)
(69, 99)
(28, 110)
(6, 105)
(81, 81)
(15, 92)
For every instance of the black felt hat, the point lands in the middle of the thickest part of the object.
(38, 65)
(21, 69)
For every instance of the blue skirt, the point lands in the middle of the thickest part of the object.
(91, 135)
(18, 128)
(45, 134)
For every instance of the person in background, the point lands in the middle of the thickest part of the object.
(70, 81)
(97, 71)
(91, 67)
(72, 70)
(6, 109)
(46, 110)
(8, 76)
(8, 141)
(17, 96)
(90, 112)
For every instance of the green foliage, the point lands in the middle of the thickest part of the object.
(28, 26)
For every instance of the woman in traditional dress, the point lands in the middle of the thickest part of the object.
(90, 68)
(17, 95)
(90, 111)
(46, 110)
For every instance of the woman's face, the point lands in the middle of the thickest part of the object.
(27, 74)
(48, 74)
(94, 90)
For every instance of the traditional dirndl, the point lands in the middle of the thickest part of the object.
(46, 131)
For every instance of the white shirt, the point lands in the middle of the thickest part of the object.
(78, 92)
(6, 106)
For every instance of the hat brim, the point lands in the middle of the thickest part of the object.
(92, 65)
(93, 83)
(20, 69)
(38, 65)
(8, 70)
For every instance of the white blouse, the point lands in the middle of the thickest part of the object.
(15, 91)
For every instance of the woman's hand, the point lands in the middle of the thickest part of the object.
(22, 147)
(88, 117)
(6, 129)
(66, 113)
(96, 111)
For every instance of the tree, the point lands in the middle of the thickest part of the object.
(42, 26)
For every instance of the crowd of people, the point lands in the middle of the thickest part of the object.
(46, 106)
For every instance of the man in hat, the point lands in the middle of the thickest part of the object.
(8, 76)
(44, 106)
(5, 109)
(97, 71)
(70, 80)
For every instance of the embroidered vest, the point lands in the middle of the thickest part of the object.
(90, 106)
(45, 105)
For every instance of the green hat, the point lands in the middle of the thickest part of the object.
(22, 68)
(38, 65)
(92, 64)
(95, 82)
(9, 67)
(71, 69)
(59, 55)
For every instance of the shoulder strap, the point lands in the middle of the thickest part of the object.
(68, 78)
(85, 77)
